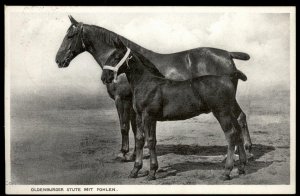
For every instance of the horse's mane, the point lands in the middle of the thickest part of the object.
(150, 67)
(110, 38)
(105, 35)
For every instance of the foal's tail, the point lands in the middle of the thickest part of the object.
(239, 55)
(239, 75)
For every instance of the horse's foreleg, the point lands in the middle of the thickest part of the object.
(123, 107)
(224, 118)
(139, 145)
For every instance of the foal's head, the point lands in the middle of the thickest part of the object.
(72, 44)
(116, 63)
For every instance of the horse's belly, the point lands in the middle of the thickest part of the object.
(180, 106)
(180, 115)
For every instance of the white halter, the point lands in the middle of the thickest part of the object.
(117, 67)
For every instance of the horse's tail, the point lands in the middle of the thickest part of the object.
(239, 55)
(239, 75)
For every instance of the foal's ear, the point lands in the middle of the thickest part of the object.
(73, 21)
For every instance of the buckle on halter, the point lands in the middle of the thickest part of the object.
(127, 60)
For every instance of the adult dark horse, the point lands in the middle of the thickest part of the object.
(177, 66)
(156, 98)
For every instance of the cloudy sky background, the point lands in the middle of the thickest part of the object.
(33, 36)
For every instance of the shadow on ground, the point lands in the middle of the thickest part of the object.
(258, 150)
(253, 165)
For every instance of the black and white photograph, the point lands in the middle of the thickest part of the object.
(137, 99)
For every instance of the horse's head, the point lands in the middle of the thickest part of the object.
(72, 44)
(115, 64)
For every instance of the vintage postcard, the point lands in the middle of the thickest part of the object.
(127, 100)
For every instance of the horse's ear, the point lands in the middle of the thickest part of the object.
(73, 21)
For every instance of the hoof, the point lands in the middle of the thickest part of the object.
(242, 172)
(151, 177)
(129, 157)
(143, 173)
(248, 147)
(224, 177)
(133, 175)
(120, 157)
(134, 172)
(249, 155)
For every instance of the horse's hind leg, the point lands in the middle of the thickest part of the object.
(123, 107)
(225, 120)
(139, 145)
(241, 118)
(241, 149)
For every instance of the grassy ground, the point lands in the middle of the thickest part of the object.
(76, 142)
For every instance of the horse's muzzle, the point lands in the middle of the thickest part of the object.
(65, 61)
(63, 64)
(107, 79)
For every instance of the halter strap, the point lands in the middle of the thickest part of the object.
(79, 37)
(117, 67)
(81, 34)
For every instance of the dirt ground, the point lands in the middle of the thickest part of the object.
(60, 144)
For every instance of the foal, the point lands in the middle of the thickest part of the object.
(159, 99)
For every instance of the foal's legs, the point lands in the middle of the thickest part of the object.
(225, 120)
(123, 108)
(150, 131)
(134, 129)
(139, 145)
